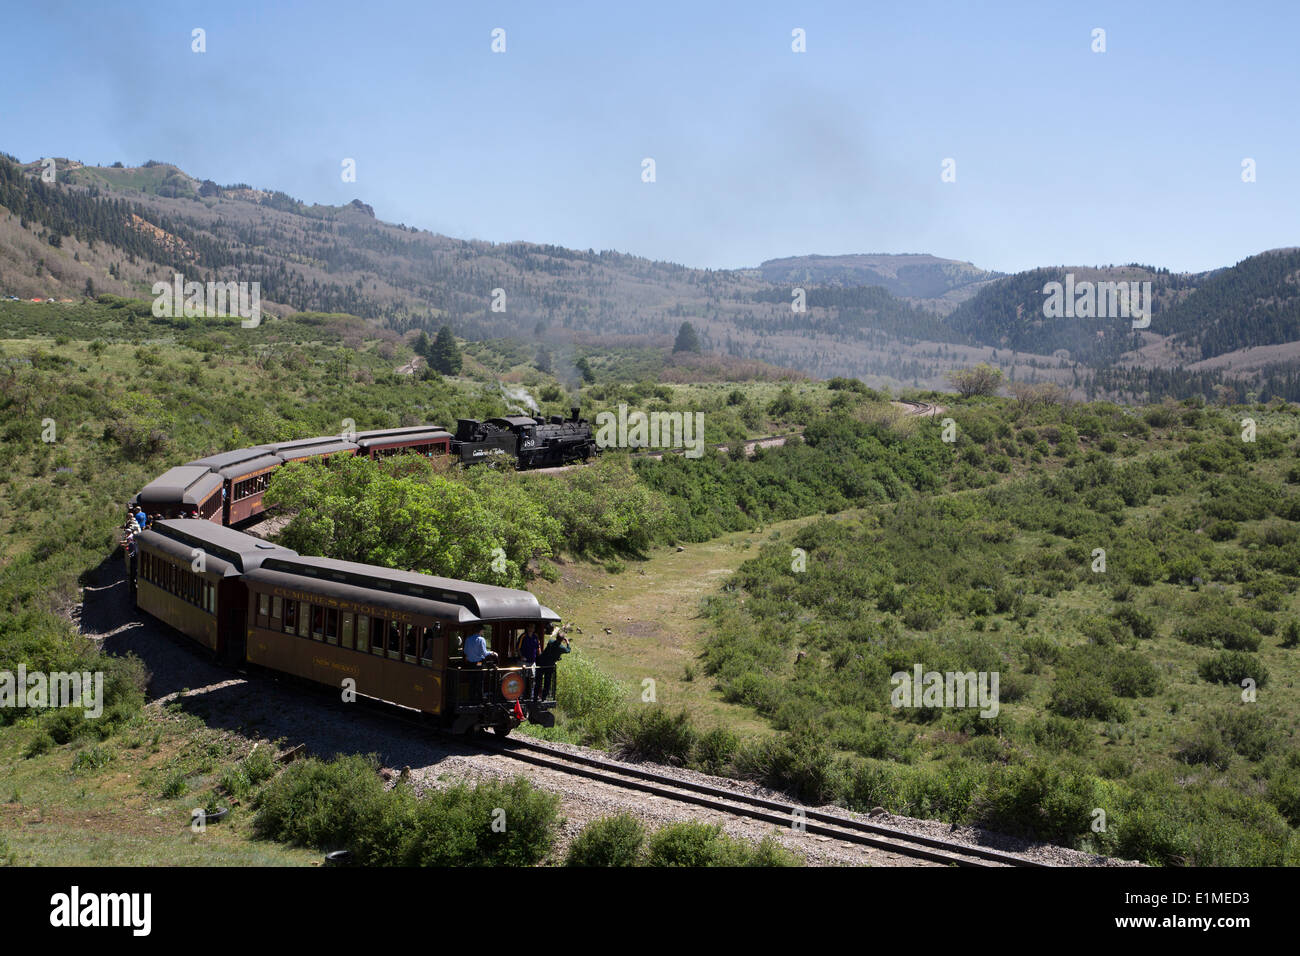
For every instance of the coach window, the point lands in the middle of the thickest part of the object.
(290, 616)
(345, 638)
(263, 609)
(304, 617)
(412, 645)
(426, 649)
(276, 609)
(378, 628)
(363, 633)
(332, 625)
(395, 639)
(317, 622)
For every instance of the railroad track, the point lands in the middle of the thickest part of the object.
(818, 822)
(632, 777)
(920, 409)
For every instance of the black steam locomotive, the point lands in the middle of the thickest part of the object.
(531, 442)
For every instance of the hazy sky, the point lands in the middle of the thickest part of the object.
(1062, 155)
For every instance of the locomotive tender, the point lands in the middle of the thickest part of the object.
(396, 634)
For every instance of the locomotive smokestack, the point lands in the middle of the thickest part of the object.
(574, 411)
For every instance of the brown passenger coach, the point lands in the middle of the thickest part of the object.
(394, 636)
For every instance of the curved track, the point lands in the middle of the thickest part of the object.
(920, 409)
(818, 822)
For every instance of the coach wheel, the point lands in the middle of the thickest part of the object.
(503, 729)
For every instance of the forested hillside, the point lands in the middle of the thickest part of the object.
(883, 318)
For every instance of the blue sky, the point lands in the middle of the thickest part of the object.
(1063, 155)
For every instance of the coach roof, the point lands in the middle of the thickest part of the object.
(187, 484)
(243, 551)
(396, 432)
(364, 597)
(308, 447)
(410, 438)
(236, 464)
(488, 601)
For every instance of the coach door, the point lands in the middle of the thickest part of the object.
(433, 660)
(232, 620)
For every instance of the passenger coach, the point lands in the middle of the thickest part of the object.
(397, 635)
(227, 488)
(188, 573)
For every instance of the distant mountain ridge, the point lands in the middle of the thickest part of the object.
(891, 319)
(935, 283)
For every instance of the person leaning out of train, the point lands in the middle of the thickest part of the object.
(529, 648)
(141, 519)
(548, 660)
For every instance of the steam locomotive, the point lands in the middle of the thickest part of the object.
(531, 442)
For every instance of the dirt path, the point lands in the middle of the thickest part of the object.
(644, 623)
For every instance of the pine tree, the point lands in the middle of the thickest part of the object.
(688, 340)
(422, 345)
(444, 356)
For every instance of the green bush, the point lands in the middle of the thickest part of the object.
(1222, 629)
(1080, 695)
(492, 824)
(798, 763)
(176, 785)
(589, 702)
(702, 844)
(313, 803)
(1232, 667)
(1244, 730)
(715, 749)
(611, 841)
(654, 734)
(1038, 800)
(1141, 626)
(343, 805)
(259, 766)
(92, 758)
(41, 743)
